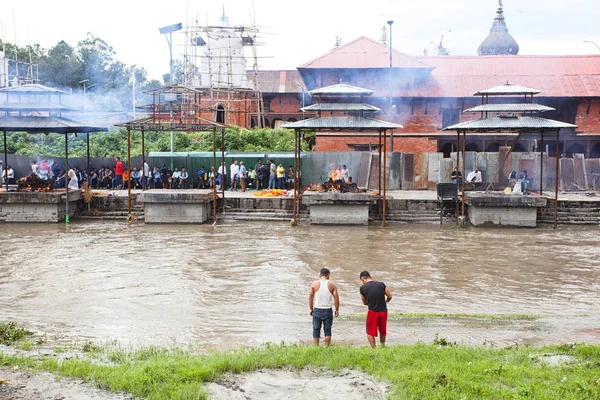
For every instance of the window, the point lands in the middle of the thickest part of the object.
(220, 114)
(450, 116)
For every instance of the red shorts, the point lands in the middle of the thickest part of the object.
(377, 321)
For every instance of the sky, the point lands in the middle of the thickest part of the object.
(293, 33)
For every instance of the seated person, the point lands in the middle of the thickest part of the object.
(202, 177)
(456, 176)
(474, 177)
(175, 179)
(251, 177)
(137, 178)
(524, 179)
(183, 177)
(512, 179)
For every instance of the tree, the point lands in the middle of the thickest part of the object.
(60, 67)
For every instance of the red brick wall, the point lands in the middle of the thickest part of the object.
(588, 123)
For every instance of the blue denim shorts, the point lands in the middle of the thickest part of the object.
(322, 317)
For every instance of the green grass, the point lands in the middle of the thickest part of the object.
(10, 333)
(419, 371)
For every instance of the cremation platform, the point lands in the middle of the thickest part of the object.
(503, 209)
(38, 206)
(176, 207)
(331, 208)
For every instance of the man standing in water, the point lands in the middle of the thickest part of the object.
(322, 297)
(375, 295)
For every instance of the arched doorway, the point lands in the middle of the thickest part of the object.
(472, 147)
(220, 117)
(292, 120)
(575, 148)
(276, 123)
(519, 148)
(447, 149)
(493, 147)
(595, 152)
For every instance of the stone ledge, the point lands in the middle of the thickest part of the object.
(176, 197)
(333, 198)
(39, 197)
(504, 200)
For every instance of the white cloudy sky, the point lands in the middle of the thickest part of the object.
(298, 31)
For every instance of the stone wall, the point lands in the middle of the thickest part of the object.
(38, 207)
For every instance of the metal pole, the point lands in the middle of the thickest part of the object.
(379, 162)
(67, 177)
(556, 180)
(144, 177)
(224, 175)
(5, 162)
(542, 165)
(384, 176)
(88, 151)
(391, 91)
(214, 137)
(129, 174)
(296, 140)
(464, 173)
(457, 169)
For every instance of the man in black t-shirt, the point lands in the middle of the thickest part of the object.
(375, 295)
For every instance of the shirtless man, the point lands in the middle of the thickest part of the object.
(323, 296)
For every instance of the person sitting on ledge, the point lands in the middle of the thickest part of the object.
(456, 176)
(524, 179)
(512, 179)
(474, 177)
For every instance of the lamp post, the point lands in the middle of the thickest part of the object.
(594, 43)
(133, 89)
(86, 87)
(390, 23)
(169, 29)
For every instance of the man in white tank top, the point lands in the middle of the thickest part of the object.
(323, 296)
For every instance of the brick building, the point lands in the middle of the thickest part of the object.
(430, 93)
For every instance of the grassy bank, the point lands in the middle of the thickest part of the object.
(413, 371)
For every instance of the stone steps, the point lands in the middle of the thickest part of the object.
(108, 217)
(257, 215)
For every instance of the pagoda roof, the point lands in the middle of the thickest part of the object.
(510, 123)
(46, 125)
(32, 88)
(13, 106)
(345, 123)
(341, 107)
(341, 89)
(521, 107)
(362, 53)
(507, 90)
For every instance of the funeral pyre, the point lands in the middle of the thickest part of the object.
(339, 186)
(34, 183)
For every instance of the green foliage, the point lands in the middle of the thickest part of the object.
(416, 371)
(114, 143)
(11, 332)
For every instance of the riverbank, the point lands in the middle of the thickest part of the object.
(440, 370)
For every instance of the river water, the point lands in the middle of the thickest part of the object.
(242, 284)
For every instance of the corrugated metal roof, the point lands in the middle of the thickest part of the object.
(554, 76)
(32, 88)
(341, 107)
(32, 107)
(364, 52)
(507, 89)
(510, 123)
(46, 125)
(347, 122)
(522, 107)
(278, 81)
(341, 89)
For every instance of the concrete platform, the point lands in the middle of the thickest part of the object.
(338, 208)
(503, 209)
(176, 206)
(38, 206)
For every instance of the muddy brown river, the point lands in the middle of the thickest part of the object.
(243, 284)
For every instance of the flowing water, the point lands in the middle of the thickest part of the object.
(245, 284)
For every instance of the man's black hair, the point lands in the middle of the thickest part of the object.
(324, 272)
(365, 274)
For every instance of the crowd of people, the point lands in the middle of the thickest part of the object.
(267, 175)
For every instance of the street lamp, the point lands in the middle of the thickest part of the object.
(164, 30)
(133, 89)
(594, 43)
(86, 87)
(390, 22)
(169, 29)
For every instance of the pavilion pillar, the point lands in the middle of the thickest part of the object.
(384, 177)
(458, 169)
(464, 174)
(88, 151)
(214, 184)
(224, 175)
(542, 165)
(556, 180)
(129, 174)
(67, 177)
(144, 177)
(379, 162)
(5, 162)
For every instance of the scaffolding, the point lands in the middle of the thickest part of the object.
(215, 63)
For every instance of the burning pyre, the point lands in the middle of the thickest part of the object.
(34, 183)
